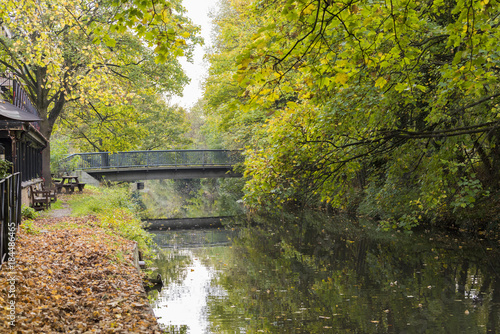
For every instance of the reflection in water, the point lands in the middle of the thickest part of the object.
(183, 304)
(313, 280)
(193, 238)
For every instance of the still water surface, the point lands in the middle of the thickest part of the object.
(307, 279)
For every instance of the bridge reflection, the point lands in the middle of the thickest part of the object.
(185, 223)
(165, 164)
(194, 238)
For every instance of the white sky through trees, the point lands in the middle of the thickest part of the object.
(198, 12)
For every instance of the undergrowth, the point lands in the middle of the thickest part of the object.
(28, 212)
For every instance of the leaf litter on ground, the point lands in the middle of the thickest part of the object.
(73, 277)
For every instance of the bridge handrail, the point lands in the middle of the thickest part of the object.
(159, 158)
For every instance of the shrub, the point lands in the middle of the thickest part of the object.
(29, 227)
(28, 212)
(5, 168)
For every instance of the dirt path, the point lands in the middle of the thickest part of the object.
(58, 213)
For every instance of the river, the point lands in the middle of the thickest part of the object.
(326, 277)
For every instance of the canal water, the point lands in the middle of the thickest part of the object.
(317, 277)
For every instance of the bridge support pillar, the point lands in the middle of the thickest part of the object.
(86, 178)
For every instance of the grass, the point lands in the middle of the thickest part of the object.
(57, 205)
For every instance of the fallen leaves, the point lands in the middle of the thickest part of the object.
(70, 280)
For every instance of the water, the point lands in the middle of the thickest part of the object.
(182, 304)
(309, 279)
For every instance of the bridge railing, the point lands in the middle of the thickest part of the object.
(166, 158)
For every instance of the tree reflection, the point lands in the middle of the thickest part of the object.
(170, 264)
(305, 279)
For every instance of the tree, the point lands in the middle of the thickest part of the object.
(81, 51)
(223, 96)
(146, 123)
(387, 106)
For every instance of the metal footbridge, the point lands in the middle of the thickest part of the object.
(149, 165)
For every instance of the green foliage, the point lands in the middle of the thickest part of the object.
(390, 110)
(468, 191)
(28, 213)
(63, 225)
(57, 205)
(96, 63)
(5, 168)
(28, 227)
(222, 95)
(59, 150)
(229, 202)
(147, 123)
(127, 224)
(198, 133)
(163, 199)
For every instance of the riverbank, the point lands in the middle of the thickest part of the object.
(72, 276)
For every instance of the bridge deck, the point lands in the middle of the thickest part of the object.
(155, 173)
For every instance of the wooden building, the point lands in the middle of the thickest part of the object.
(20, 139)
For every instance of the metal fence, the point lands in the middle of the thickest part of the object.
(167, 158)
(10, 213)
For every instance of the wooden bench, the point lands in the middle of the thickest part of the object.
(39, 199)
(52, 193)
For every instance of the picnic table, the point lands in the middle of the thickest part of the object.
(69, 183)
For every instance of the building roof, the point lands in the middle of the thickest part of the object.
(11, 112)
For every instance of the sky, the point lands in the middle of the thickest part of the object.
(198, 11)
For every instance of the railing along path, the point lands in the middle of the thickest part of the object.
(10, 215)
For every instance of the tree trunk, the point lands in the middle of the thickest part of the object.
(46, 131)
(47, 123)
(46, 174)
